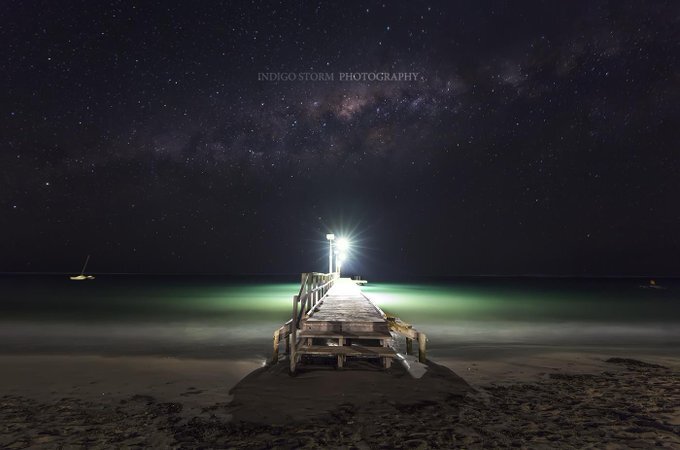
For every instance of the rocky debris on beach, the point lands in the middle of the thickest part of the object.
(638, 407)
(633, 406)
(634, 363)
(139, 420)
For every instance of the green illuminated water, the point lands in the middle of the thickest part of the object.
(230, 318)
(528, 300)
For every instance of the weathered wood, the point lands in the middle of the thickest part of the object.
(331, 334)
(330, 310)
(293, 333)
(275, 353)
(341, 357)
(311, 283)
(315, 307)
(422, 351)
(402, 328)
(293, 354)
(347, 350)
(345, 328)
(345, 302)
(386, 362)
(284, 332)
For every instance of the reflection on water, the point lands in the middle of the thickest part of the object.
(214, 317)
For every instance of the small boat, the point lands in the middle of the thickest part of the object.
(652, 285)
(82, 275)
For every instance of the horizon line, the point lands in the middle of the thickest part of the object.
(490, 275)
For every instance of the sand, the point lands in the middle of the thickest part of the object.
(544, 400)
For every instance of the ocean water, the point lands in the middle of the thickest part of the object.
(230, 318)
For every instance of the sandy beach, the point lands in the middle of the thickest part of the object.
(548, 400)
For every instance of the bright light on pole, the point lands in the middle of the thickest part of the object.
(343, 244)
(330, 237)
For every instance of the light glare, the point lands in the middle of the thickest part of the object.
(342, 244)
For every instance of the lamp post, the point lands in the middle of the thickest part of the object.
(330, 237)
(339, 259)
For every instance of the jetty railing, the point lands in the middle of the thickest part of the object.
(313, 288)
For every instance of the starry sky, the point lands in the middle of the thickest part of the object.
(541, 137)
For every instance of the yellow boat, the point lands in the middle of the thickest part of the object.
(82, 275)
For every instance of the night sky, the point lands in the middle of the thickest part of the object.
(539, 137)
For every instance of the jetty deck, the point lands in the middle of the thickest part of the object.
(347, 308)
(333, 318)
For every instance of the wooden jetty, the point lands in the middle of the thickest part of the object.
(333, 318)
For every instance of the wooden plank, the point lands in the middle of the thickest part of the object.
(403, 328)
(347, 350)
(338, 334)
(345, 327)
(314, 308)
(344, 302)
(284, 330)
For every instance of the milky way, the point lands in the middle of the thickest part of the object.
(539, 137)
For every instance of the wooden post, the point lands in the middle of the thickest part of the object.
(341, 358)
(386, 362)
(316, 291)
(293, 353)
(310, 287)
(409, 346)
(293, 334)
(304, 285)
(422, 351)
(275, 354)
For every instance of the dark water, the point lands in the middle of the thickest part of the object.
(216, 317)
